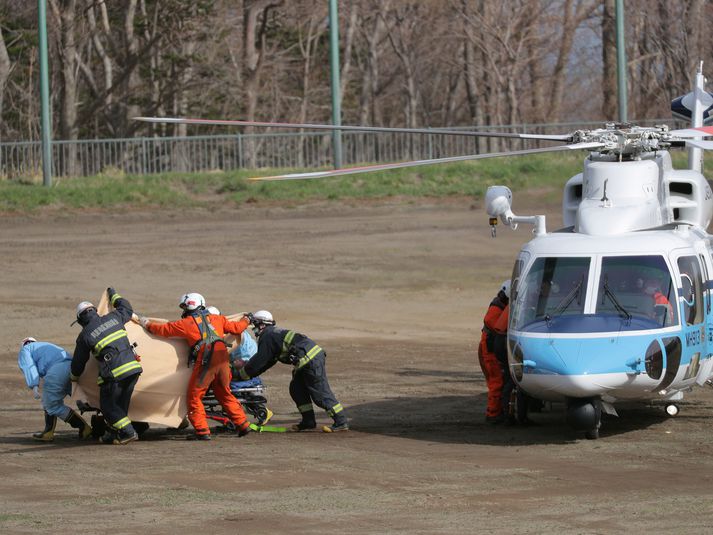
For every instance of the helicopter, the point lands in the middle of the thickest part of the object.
(616, 305)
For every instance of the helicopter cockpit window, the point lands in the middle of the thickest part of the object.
(691, 289)
(638, 288)
(553, 287)
(515, 277)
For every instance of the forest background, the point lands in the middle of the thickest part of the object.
(403, 62)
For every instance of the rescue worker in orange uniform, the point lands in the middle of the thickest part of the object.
(211, 363)
(489, 363)
(652, 288)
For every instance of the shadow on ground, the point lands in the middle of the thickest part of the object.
(460, 420)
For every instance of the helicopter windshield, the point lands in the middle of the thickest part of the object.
(553, 287)
(638, 287)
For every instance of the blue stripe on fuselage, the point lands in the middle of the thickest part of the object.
(583, 356)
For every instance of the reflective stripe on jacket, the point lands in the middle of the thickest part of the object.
(280, 345)
(105, 338)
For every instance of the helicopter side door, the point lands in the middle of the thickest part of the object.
(706, 371)
(692, 306)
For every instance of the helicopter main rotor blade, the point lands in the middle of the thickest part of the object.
(700, 144)
(351, 128)
(701, 131)
(416, 163)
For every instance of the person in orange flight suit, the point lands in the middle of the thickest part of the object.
(204, 332)
(500, 348)
(489, 363)
(653, 289)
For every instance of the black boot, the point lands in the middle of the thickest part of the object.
(126, 435)
(308, 422)
(108, 437)
(47, 434)
(76, 421)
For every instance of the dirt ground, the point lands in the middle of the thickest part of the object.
(395, 293)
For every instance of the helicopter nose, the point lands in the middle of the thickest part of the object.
(577, 367)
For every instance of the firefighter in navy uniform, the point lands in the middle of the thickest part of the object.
(104, 337)
(309, 377)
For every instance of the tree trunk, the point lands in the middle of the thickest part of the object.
(254, 20)
(65, 15)
(572, 20)
(5, 67)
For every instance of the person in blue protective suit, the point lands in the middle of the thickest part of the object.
(51, 363)
(105, 338)
(309, 377)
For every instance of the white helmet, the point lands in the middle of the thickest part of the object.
(505, 288)
(263, 316)
(261, 319)
(213, 311)
(27, 340)
(83, 307)
(191, 302)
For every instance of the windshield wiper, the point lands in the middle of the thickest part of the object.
(569, 298)
(617, 305)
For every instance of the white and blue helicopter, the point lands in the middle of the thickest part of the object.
(617, 305)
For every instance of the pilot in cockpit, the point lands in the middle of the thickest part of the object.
(661, 309)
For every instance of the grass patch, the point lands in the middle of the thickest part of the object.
(15, 518)
(470, 179)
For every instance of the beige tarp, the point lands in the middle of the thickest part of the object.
(160, 393)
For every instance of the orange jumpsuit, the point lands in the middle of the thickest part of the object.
(660, 299)
(216, 376)
(489, 363)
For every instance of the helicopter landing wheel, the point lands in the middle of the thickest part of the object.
(672, 409)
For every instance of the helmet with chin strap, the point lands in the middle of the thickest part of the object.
(505, 288)
(261, 319)
(191, 302)
(82, 309)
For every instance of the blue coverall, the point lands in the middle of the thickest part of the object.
(44, 360)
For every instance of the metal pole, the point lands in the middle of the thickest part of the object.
(44, 95)
(334, 77)
(621, 61)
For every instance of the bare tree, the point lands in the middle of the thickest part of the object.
(255, 20)
(65, 16)
(5, 69)
(575, 13)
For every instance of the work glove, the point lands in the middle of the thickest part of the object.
(110, 292)
(144, 321)
(36, 392)
(251, 318)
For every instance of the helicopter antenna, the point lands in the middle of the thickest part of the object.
(604, 198)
